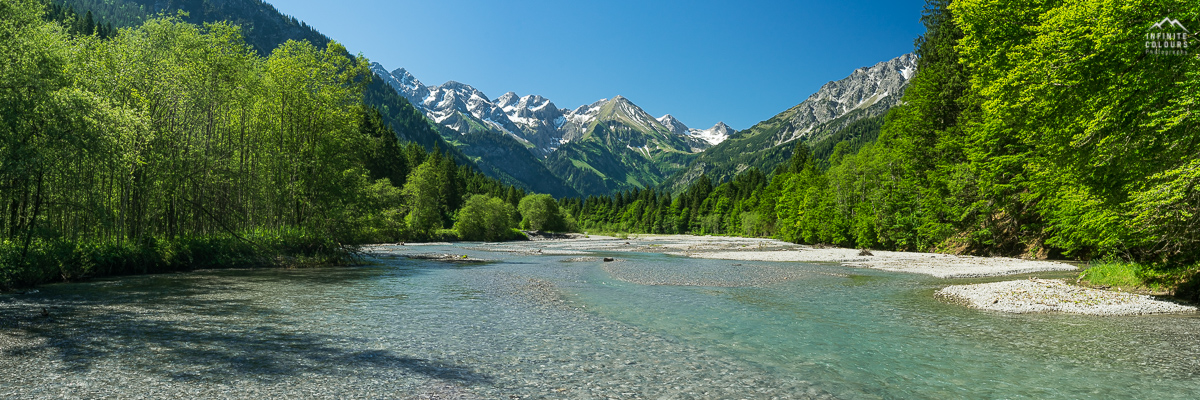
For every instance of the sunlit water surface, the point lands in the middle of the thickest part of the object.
(528, 326)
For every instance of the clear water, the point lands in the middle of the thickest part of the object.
(538, 327)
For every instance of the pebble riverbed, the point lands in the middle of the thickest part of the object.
(552, 320)
(1052, 295)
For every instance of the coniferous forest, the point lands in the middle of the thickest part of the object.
(1041, 129)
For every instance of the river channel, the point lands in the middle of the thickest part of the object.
(569, 326)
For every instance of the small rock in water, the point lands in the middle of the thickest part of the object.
(608, 259)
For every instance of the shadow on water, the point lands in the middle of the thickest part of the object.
(210, 326)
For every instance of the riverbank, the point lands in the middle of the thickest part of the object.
(1021, 296)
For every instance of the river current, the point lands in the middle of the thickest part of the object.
(526, 325)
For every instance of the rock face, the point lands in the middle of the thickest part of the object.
(868, 92)
(879, 86)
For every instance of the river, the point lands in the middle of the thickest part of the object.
(527, 325)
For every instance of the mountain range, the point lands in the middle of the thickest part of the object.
(613, 145)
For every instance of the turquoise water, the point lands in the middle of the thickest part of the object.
(529, 326)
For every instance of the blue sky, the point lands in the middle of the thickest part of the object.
(740, 62)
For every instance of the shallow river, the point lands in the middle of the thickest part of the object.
(538, 326)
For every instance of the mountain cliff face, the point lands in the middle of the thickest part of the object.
(866, 94)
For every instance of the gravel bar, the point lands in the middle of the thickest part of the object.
(1052, 295)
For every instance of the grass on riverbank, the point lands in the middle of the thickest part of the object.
(1183, 283)
(46, 261)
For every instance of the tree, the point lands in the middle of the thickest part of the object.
(423, 194)
(484, 217)
(540, 212)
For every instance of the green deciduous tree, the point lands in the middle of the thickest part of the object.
(484, 217)
(540, 212)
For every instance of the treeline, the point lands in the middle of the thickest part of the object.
(176, 146)
(77, 24)
(742, 206)
(1031, 129)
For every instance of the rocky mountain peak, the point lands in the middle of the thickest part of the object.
(507, 100)
(715, 135)
(880, 84)
(674, 125)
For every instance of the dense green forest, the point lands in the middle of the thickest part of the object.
(1035, 129)
(171, 145)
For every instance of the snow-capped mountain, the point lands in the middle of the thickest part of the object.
(533, 120)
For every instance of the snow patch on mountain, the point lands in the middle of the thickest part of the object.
(715, 135)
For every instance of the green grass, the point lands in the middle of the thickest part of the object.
(1182, 282)
(1117, 274)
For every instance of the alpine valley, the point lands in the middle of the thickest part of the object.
(613, 145)
(601, 148)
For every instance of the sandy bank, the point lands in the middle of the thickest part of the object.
(1047, 295)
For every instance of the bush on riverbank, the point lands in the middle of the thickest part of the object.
(63, 260)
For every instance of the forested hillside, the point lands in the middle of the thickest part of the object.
(1031, 129)
(264, 28)
(176, 146)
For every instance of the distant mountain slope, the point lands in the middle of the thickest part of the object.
(868, 92)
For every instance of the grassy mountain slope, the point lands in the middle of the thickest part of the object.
(623, 148)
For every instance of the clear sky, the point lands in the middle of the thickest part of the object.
(737, 61)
